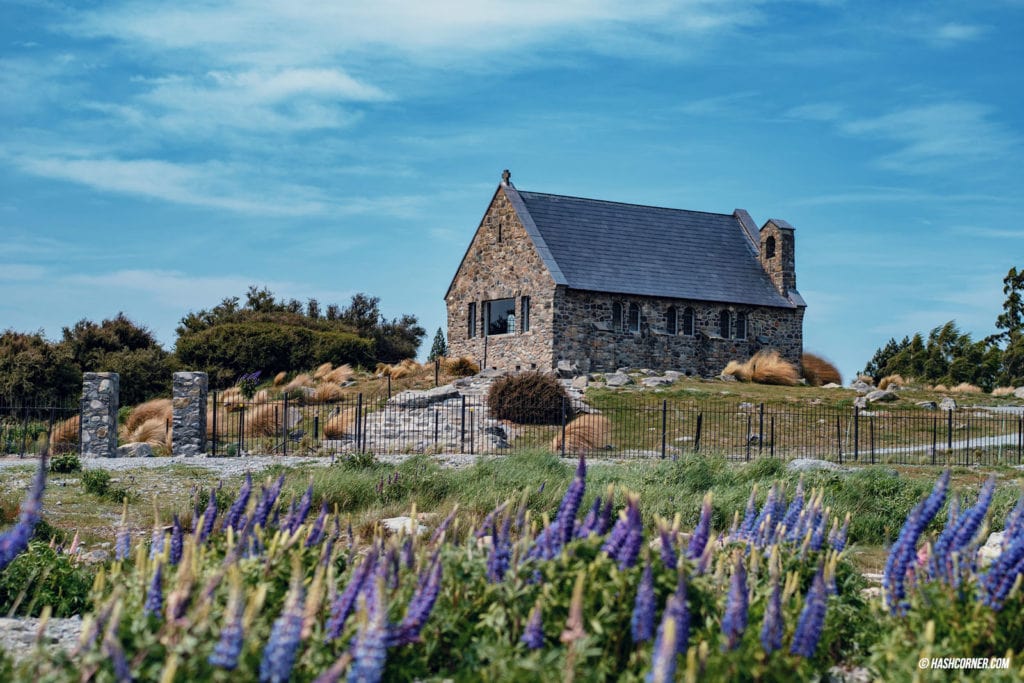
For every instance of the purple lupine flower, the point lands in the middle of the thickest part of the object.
(303, 511)
(734, 621)
(604, 521)
(229, 645)
(15, 540)
(485, 526)
(773, 626)
(838, 541)
(680, 610)
(155, 595)
(591, 519)
(663, 663)
(642, 622)
(285, 638)
(209, 517)
(122, 542)
(1002, 574)
(1015, 519)
(699, 538)
(629, 550)
(705, 559)
(420, 606)
(903, 550)
(818, 532)
(565, 519)
(795, 508)
(501, 552)
(533, 634)
(113, 649)
(408, 554)
(669, 557)
(316, 534)
(967, 528)
(778, 511)
(346, 600)
(235, 512)
(391, 567)
(177, 542)
(746, 527)
(617, 536)
(443, 527)
(370, 646)
(268, 498)
(812, 618)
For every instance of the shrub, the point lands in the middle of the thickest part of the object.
(98, 483)
(765, 367)
(585, 433)
(966, 388)
(279, 378)
(999, 392)
(818, 371)
(41, 576)
(326, 393)
(894, 381)
(322, 370)
(33, 369)
(462, 366)
(65, 462)
(529, 398)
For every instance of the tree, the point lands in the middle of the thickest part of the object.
(1011, 321)
(34, 370)
(439, 349)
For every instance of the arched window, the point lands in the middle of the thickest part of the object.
(634, 318)
(616, 316)
(724, 323)
(671, 321)
(688, 321)
(741, 325)
(769, 247)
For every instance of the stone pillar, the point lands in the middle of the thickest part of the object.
(100, 392)
(188, 436)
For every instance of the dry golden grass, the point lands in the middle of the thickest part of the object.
(64, 436)
(410, 364)
(157, 408)
(966, 388)
(1002, 391)
(585, 433)
(894, 381)
(153, 431)
(765, 367)
(940, 387)
(326, 393)
(230, 396)
(263, 420)
(279, 378)
(867, 379)
(818, 371)
(340, 374)
(301, 380)
(338, 425)
(261, 396)
(462, 366)
(222, 421)
(322, 370)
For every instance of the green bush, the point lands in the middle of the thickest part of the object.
(98, 483)
(40, 576)
(65, 462)
(529, 398)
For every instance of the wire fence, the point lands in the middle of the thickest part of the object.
(25, 425)
(624, 426)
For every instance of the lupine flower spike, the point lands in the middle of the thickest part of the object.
(369, 651)
(15, 540)
(663, 664)
(286, 633)
(642, 621)
(812, 618)
(702, 532)
(155, 595)
(123, 539)
(229, 645)
(734, 622)
(533, 634)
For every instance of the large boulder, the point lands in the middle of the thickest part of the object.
(881, 395)
(656, 381)
(135, 450)
(1018, 392)
(928, 405)
(812, 465)
(861, 387)
(947, 404)
(421, 399)
(618, 379)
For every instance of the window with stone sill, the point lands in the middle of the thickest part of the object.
(471, 320)
(671, 321)
(500, 316)
(524, 314)
(634, 318)
(616, 316)
(724, 323)
(688, 320)
(741, 325)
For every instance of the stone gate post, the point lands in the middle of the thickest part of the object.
(100, 395)
(189, 413)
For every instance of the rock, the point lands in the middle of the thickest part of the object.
(881, 395)
(95, 557)
(567, 369)
(655, 381)
(580, 382)
(992, 549)
(746, 406)
(811, 465)
(860, 402)
(861, 387)
(673, 374)
(421, 399)
(831, 385)
(728, 378)
(404, 525)
(947, 404)
(496, 430)
(134, 450)
(928, 405)
(618, 379)
(1018, 392)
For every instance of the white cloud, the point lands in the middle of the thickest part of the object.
(937, 135)
(953, 32)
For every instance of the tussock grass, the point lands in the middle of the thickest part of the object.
(327, 393)
(230, 396)
(261, 396)
(818, 371)
(340, 374)
(966, 388)
(894, 381)
(300, 380)
(867, 379)
(157, 408)
(322, 370)
(64, 436)
(338, 425)
(1000, 392)
(585, 433)
(764, 367)
(153, 431)
(279, 378)
(462, 366)
(940, 387)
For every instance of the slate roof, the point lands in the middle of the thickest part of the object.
(604, 246)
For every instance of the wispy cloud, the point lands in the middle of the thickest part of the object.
(937, 136)
(955, 33)
(21, 271)
(988, 233)
(817, 111)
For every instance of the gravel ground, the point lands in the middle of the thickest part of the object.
(18, 636)
(233, 466)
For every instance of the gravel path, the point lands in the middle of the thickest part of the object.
(18, 636)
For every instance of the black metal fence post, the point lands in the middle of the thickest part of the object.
(437, 371)
(856, 433)
(696, 438)
(935, 437)
(839, 438)
(389, 385)
(213, 446)
(359, 422)
(316, 426)
(747, 439)
(241, 430)
(24, 430)
(284, 425)
(462, 427)
(871, 423)
(664, 425)
(949, 432)
(760, 429)
(773, 437)
(436, 427)
(563, 426)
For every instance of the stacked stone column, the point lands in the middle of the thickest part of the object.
(189, 413)
(100, 395)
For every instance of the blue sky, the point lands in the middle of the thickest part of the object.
(156, 157)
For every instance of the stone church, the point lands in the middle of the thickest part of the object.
(604, 285)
